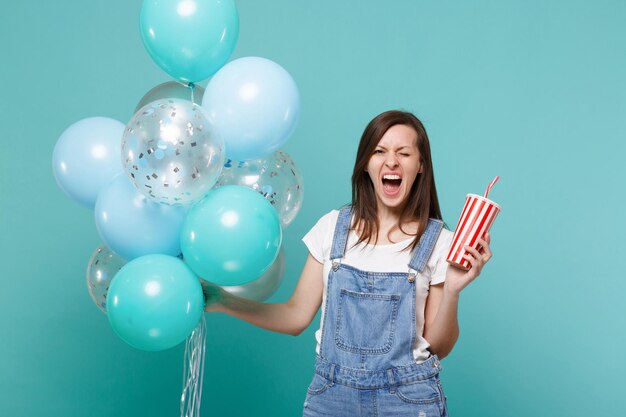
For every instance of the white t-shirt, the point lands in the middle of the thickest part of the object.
(380, 258)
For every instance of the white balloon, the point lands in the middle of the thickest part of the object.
(172, 89)
(262, 288)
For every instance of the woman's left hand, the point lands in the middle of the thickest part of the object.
(456, 278)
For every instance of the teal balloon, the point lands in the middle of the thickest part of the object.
(189, 39)
(232, 236)
(154, 302)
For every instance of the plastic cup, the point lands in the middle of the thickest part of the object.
(476, 219)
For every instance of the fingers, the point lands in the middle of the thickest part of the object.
(479, 254)
(474, 257)
(485, 249)
(213, 295)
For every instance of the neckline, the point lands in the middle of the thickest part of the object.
(388, 245)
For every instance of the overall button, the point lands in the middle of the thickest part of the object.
(411, 278)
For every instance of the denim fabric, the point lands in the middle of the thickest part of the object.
(366, 366)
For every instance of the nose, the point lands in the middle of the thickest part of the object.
(391, 161)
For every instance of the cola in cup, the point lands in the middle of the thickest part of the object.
(476, 218)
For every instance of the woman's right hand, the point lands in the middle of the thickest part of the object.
(213, 296)
(290, 317)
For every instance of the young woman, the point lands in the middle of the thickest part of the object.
(377, 267)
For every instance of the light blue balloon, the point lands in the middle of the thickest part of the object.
(131, 225)
(231, 236)
(154, 302)
(189, 39)
(86, 157)
(254, 104)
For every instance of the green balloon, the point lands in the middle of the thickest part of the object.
(232, 236)
(154, 302)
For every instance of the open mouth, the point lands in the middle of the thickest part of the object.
(391, 184)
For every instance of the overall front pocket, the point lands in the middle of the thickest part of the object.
(366, 322)
(318, 385)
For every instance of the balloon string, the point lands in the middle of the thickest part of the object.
(193, 371)
(192, 87)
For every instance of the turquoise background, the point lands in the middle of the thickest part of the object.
(534, 91)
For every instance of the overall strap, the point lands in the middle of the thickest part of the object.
(340, 239)
(426, 245)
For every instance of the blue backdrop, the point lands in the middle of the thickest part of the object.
(534, 91)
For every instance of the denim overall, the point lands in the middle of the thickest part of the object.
(365, 367)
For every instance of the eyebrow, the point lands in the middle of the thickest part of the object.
(400, 148)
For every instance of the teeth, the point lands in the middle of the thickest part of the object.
(391, 177)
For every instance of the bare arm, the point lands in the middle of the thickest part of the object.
(441, 326)
(291, 317)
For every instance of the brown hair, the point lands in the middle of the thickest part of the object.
(422, 201)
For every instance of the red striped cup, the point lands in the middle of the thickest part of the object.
(476, 218)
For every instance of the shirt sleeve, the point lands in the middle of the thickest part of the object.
(440, 252)
(316, 240)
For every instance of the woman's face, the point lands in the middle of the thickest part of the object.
(394, 166)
